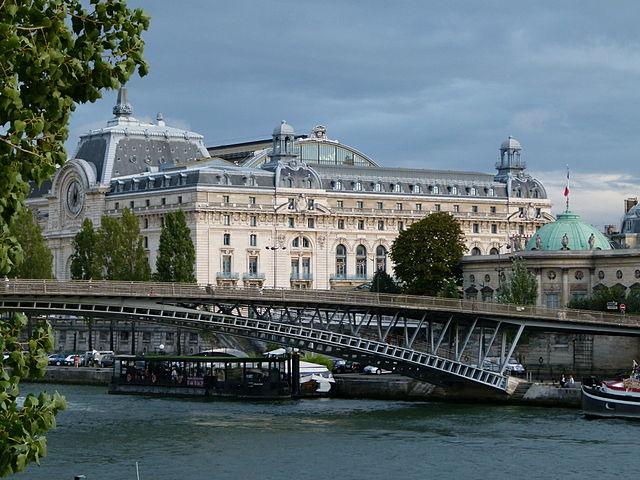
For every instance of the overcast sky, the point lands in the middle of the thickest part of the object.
(419, 84)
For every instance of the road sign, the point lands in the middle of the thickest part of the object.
(623, 307)
(612, 305)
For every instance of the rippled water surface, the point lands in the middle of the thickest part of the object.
(102, 436)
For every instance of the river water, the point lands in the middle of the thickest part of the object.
(103, 436)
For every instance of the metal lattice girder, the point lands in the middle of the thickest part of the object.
(424, 365)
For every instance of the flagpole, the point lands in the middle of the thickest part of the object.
(566, 190)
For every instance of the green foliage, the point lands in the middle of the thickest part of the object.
(55, 53)
(427, 254)
(522, 287)
(598, 301)
(22, 428)
(383, 283)
(37, 259)
(120, 250)
(85, 261)
(450, 288)
(176, 253)
(317, 358)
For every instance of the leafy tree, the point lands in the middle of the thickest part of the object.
(383, 283)
(176, 253)
(522, 287)
(85, 260)
(37, 258)
(427, 254)
(22, 428)
(602, 296)
(55, 53)
(120, 248)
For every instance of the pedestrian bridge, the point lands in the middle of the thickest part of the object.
(439, 340)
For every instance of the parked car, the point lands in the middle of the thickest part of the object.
(70, 359)
(57, 359)
(373, 370)
(346, 366)
(106, 361)
(515, 367)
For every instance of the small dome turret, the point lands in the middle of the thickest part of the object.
(511, 143)
(283, 129)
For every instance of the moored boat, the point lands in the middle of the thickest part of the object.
(611, 398)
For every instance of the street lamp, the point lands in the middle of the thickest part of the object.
(499, 268)
(278, 246)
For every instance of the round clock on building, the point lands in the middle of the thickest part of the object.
(75, 197)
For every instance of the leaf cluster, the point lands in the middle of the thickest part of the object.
(427, 254)
(114, 252)
(522, 287)
(36, 258)
(383, 283)
(22, 428)
(603, 295)
(55, 53)
(176, 253)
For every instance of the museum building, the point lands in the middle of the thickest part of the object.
(294, 211)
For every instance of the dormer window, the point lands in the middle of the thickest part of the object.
(288, 182)
(397, 188)
(435, 189)
(337, 185)
(473, 191)
(492, 192)
(417, 189)
(377, 187)
(454, 190)
(357, 186)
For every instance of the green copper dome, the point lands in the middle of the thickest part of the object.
(568, 233)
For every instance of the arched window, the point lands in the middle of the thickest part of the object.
(337, 185)
(288, 182)
(381, 258)
(307, 183)
(397, 188)
(296, 242)
(417, 189)
(305, 242)
(377, 187)
(494, 251)
(358, 186)
(475, 251)
(361, 261)
(341, 261)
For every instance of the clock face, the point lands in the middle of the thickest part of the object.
(75, 197)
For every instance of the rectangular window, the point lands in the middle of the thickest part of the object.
(163, 201)
(291, 222)
(252, 200)
(146, 242)
(147, 202)
(226, 264)
(476, 228)
(225, 199)
(379, 206)
(400, 226)
(146, 337)
(552, 300)
(538, 212)
(226, 219)
(340, 204)
(494, 228)
(295, 268)
(131, 204)
(521, 229)
(193, 337)
(311, 204)
(226, 239)
(474, 209)
(117, 206)
(380, 224)
(179, 198)
(492, 209)
(521, 211)
(418, 206)
(437, 207)
(162, 221)
(456, 208)
(168, 337)
(398, 206)
(253, 220)
(291, 203)
(360, 224)
(253, 265)
(146, 223)
(124, 335)
(253, 240)
(311, 223)
(340, 224)
(359, 204)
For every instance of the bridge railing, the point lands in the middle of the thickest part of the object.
(186, 291)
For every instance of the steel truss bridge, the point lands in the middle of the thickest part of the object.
(438, 340)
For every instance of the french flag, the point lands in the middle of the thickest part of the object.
(566, 189)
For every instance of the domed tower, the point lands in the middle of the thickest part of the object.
(283, 138)
(510, 158)
(568, 232)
